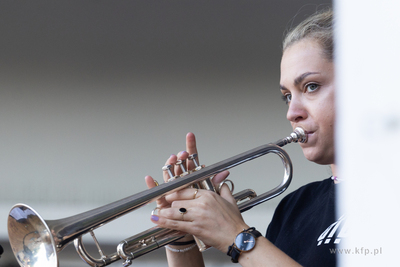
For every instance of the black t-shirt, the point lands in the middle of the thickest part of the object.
(304, 225)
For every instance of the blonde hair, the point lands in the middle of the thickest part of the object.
(319, 27)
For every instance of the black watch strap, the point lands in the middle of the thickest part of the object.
(254, 232)
(234, 253)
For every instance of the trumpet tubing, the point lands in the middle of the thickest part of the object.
(37, 242)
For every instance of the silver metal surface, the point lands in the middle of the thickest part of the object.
(36, 242)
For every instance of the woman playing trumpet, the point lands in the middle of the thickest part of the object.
(297, 234)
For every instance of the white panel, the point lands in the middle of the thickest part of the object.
(368, 42)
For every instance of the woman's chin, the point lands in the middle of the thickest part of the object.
(318, 158)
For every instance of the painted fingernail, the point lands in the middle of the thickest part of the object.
(154, 218)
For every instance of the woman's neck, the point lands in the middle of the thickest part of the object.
(334, 174)
(333, 169)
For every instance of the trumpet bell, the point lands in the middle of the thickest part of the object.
(30, 238)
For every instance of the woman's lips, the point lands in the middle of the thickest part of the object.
(309, 135)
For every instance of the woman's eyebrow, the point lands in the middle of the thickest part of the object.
(299, 79)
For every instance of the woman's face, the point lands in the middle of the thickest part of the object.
(307, 85)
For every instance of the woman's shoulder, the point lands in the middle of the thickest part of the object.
(310, 192)
(298, 205)
(316, 186)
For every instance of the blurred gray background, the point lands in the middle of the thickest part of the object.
(94, 95)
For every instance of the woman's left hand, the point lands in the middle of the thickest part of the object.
(214, 219)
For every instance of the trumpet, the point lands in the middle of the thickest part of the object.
(36, 242)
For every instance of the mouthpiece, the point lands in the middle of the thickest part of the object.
(299, 135)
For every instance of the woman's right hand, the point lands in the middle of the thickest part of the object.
(150, 182)
(191, 257)
(191, 149)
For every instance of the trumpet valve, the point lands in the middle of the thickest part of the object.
(181, 164)
(193, 158)
(167, 168)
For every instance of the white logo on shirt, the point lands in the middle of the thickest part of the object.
(329, 234)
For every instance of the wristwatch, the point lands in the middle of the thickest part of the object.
(244, 242)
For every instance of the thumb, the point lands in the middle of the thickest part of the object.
(226, 194)
(150, 182)
(219, 177)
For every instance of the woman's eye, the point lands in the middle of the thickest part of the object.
(312, 87)
(287, 98)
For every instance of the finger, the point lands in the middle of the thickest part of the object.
(150, 182)
(163, 222)
(226, 193)
(170, 161)
(179, 212)
(191, 148)
(191, 143)
(219, 178)
(184, 194)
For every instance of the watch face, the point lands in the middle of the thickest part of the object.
(245, 241)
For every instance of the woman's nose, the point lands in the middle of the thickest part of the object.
(296, 111)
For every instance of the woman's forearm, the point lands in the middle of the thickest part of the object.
(266, 254)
